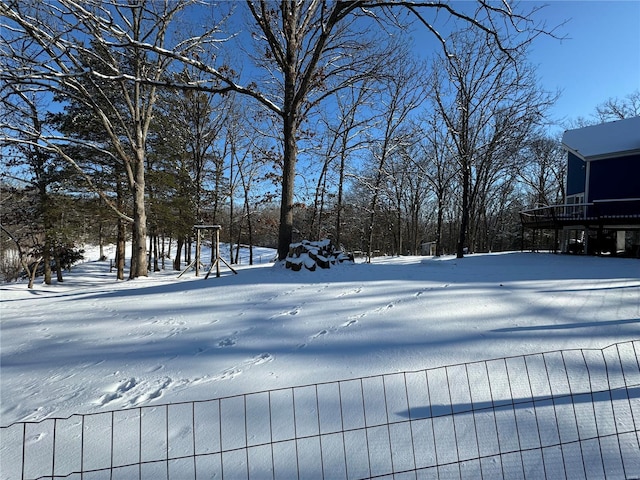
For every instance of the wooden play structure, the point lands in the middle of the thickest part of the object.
(215, 251)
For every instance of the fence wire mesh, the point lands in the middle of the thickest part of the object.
(561, 414)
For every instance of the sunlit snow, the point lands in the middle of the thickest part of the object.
(93, 343)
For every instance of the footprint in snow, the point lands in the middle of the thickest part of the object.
(293, 312)
(35, 438)
(151, 394)
(260, 359)
(117, 391)
(348, 323)
(134, 392)
(350, 292)
(325, 331)
(319, 334)
(241, 367)
(227, 342)
(421, 292)
(386, 307)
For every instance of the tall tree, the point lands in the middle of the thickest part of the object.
(436, 162)
(411, 189)
(542, 170)
(403, 94)
(490, 103)
(317, 51)
(312, 48)
(343, 135)
(35, 169)
(86, 52)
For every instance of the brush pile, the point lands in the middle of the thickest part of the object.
(311, 255)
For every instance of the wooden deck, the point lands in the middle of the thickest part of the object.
(621, 214)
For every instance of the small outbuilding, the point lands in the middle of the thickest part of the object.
(428, 248)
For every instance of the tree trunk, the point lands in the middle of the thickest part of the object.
(399, 230)
(46, 259)
(465, 209)
(237, 256)
(101, 242)
(32, 273)
(176, 261)
(139, 230)
(162, 251)
(58, 263)
(150, 249)
(340, 200)
(120, 249)
(439, 225)
(250, 235)
(156, 268)
(285, 234)
(121, 236)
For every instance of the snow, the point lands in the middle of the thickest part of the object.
(610, 139)
(94, 344)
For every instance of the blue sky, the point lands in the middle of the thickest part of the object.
(600, 58)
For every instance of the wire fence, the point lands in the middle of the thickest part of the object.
(561, 414)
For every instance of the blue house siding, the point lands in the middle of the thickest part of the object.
(614, 178)
(576, 175)
(601, 213)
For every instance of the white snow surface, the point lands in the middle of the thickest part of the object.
(93, 343)
(605, 139)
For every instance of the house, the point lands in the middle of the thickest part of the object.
(601, 214)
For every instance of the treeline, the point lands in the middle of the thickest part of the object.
(279, 121)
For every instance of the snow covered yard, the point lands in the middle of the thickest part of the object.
(93, 344)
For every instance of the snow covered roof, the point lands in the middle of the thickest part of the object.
(611, 139)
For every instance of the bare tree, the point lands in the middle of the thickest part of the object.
(407, 191)
(237, 150)
(252, 171)
(435, 160)
(86, 52)
(542, 170)
(490, 103)
(202, 119)
(619, 109)
(403, 94)
(342, 135)
(316, 51)
(310, 48)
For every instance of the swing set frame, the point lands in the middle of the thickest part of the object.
(215, 251)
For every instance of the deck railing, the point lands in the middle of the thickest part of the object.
(600, 212)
